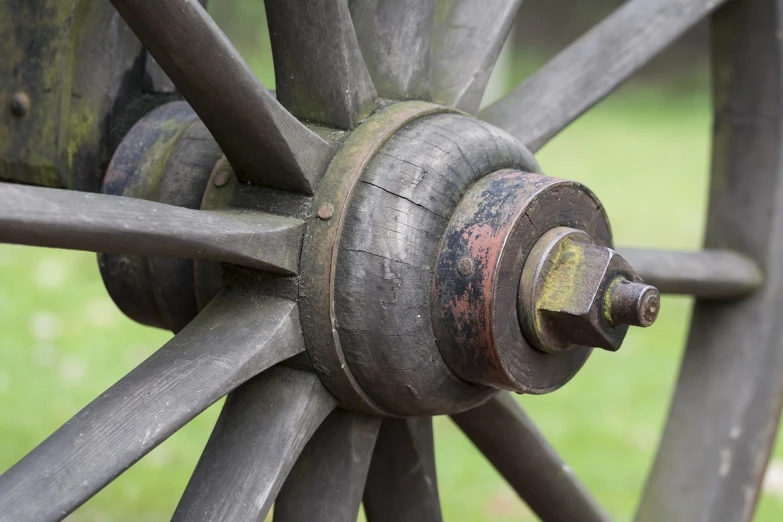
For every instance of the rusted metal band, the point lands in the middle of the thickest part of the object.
(321, 246)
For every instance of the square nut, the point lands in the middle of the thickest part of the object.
(572, 301)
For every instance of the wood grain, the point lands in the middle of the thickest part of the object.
(327, 482)
(238, 335)
(59, 218)
(402, 483)
(387, 252)
(468, 38)
(183, 183)
(396, 38)
(319, 70)
(592, 67)
(263, 427)
(264, 142)
(726, 407)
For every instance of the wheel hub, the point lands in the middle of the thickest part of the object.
(435, 266)
(413, 260)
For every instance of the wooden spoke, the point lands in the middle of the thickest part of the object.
(402, 484)
(319, 69)
(59, 218)
(592, 67)
(327, 482)
(264, 143)
(511, 442)
(727, 403)
(262, 429)
(238, 335)
(395, 38)
(709, 274)
(469, 35)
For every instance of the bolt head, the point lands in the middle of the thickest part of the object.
(465, 265)
(649, 308)
(20, 104)
(326, 211)
(221, 178)
(631, 303)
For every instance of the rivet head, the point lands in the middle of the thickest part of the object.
(221, 178)
(465, 265)
(326, 211)
(20, 104)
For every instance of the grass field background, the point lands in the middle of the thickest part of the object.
(63, 341)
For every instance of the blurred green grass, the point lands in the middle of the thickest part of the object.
(63, 341)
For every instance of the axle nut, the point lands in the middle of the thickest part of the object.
(576, 293)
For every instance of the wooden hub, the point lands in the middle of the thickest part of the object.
(379, 311)
(410, 285)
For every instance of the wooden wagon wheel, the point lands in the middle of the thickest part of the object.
(393, 258)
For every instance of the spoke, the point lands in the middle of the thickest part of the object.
(327, 482)
(469, 35)
(592, 67)
(262, 429)
(264, 143)
(401, 484)
(395, 38)
(238, 335)
(511, 442)
(320, 72)
(61, 218)
(709, 274)
(727, 403)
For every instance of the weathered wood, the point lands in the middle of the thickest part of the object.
(264, 142)
(728, 399)
(402, 484)
(388, 247)
(320, 247)
(58, 218)
(78, 65)
(395, 38)
(511, 442)
(592, 67)
(327, 482)
(319, 70)
(468, 38)
(236, 337)
(138, 170)
(263, 427)
(183, 183)
(709, 274)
